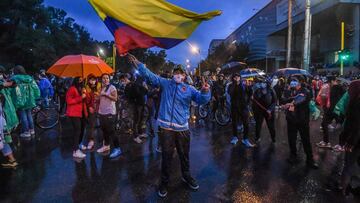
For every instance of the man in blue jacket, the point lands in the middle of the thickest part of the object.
(174, 113)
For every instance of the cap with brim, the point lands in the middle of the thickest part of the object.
(178, 69)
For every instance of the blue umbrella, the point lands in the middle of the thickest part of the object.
(291, 71)
(252, 72)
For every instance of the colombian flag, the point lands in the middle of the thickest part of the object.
(148, 23)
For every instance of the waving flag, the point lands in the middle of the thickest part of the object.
(148, 23)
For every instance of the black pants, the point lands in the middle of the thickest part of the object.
(329, 116)
(107, 124)
(350, 166)
(304, 130)
(168, 141)
(259, 116)
(138, 111)
(240, 114)
(79, 128)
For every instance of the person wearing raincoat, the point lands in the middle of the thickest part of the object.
(8, 120)
(24, 95)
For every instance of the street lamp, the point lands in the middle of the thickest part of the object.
(195, 50)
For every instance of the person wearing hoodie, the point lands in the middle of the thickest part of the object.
(174, 114)
(264, 102)
(46, 89)
(239, 98)
(25, 94)
(351, 136)
(335, 93)
(8, 120)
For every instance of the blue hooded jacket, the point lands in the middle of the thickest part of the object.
(174, 110)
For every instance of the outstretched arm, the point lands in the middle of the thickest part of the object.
(150, 77)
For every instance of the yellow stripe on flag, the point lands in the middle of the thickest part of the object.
(157, 18)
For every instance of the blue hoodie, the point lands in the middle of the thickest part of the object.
(174, 111)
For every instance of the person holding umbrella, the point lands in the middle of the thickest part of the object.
(76, 111)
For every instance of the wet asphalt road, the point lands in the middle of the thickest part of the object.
(224, 172)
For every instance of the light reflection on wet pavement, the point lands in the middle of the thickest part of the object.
(224, 172)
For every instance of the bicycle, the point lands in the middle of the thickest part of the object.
(222, 113)
(46, 117)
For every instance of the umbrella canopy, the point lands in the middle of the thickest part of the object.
(79, 66)
(291, 71)
(252, 72)
(233, 67)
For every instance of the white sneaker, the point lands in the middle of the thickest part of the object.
(78, 154)
(32, 131)
(138, 140)
(144, 135)
(25, 135)
(103, 149)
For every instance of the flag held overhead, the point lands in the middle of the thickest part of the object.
(147, 23)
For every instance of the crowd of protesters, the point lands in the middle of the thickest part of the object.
(160, 104)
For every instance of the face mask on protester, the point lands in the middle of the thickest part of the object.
(178, 78)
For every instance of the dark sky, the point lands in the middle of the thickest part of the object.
(235, 12)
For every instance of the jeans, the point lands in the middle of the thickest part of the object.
(6, 151)
(90, 133)
(169, 140)
(26, 120)
(242, 115)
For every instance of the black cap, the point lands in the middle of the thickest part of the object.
(236, 74)
(179, 68)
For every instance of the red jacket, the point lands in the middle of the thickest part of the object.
(75, 105)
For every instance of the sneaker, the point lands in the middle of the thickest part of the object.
(311, 164)
(247, 143)
(234, 140)
(9, 164)
(25, 135)
(138, 140)
(338, 148)
(90, 145)
(162, 192)
(292, 160)
(32, 131)
(191, 182)
(78, 154)
(144, 135)
(158, 149)
(103, 149)
(115, 153)
(323, 144)
(82, 147)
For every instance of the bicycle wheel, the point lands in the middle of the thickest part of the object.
(47, 118)
(222, 116)
(203, 111)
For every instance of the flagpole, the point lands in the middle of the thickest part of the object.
(114, 57)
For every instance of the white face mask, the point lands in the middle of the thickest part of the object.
(178, 78)
(1, 77)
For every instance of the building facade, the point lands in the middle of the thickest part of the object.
(266, 33)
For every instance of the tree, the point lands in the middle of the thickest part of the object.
(224, 54)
